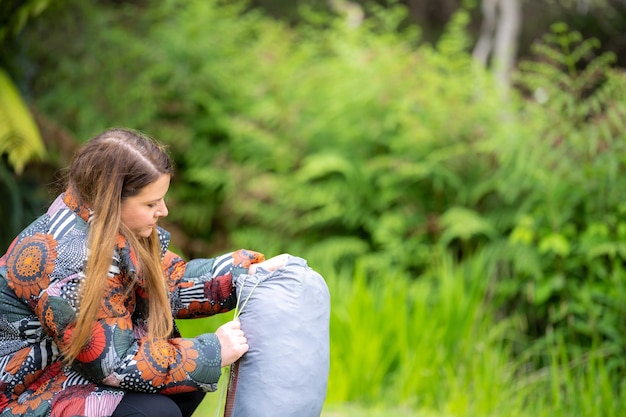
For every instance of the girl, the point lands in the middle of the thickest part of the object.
(89, 291)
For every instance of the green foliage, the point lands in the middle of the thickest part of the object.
(20, 140)
(566, 249)
(360, 145)
(15, 14)
(574, 385)
(289, 139)
(20, 143)
(19, 136)
(416, 338)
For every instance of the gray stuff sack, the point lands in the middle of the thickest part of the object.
(286, 321)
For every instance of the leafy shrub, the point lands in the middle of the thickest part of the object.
(566, 249)
(338, 140)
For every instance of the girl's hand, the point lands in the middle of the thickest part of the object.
(232, 341)
(271, 264)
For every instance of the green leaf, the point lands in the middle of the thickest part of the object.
(609, 249)
(555, 243)
(463, 223)
(321, 165)
(545, 289)
(19, 135)
(524, 232)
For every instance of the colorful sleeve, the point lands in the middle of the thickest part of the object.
(203, 287)
(181, 364)
(119, 354)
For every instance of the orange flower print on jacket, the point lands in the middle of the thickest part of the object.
(94, 348)
(121, 243)
(114, 303)
(55, 314)
(17, 360)
(30, 265)
(28, 380)
(48, 384)
(172, 268)
(162, 361)
(194, 309)
(73, 203)
(71, 401)
(245, 258)
(96, 345)
(49, 323)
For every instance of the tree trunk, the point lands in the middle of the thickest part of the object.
(499, 37)
(506, 38)
(485, 43)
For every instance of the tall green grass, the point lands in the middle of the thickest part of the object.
(426, 343)
(432, 346)
(575, 385)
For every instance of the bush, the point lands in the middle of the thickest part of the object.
(565, 250)
(341, 141)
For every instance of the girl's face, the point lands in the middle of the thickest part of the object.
(141, 212)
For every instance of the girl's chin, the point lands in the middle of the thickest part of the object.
(145, 233)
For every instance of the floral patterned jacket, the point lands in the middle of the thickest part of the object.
(39, 276)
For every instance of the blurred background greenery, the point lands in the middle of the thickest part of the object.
(453, 168)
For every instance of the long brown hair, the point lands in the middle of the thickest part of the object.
(111, 167)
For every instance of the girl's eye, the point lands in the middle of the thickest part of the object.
(152, 205)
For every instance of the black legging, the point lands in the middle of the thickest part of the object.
(138, 404)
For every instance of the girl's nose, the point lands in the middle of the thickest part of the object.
(162, 211)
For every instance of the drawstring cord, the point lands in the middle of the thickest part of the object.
(223, 389)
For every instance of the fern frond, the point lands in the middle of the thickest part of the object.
(463, 223)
